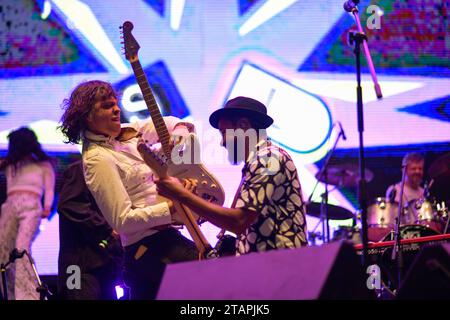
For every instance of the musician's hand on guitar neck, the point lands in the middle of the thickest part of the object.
(176, 140)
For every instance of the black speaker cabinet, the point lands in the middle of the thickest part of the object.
(331, 271)
(429, 275)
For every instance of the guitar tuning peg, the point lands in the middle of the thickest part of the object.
(120, 27)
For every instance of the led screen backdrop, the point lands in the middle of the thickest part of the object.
(292, 55)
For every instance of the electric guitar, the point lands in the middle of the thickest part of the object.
(182, 162)
(159, 167)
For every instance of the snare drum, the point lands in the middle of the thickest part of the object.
(382, 213)
(426, 214)
(381, 216)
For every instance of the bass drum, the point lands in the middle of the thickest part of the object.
(388, 267)
(411, 231)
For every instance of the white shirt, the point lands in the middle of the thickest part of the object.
(122, 184)
(37, 177)
(408, 193)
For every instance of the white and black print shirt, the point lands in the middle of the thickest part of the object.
(271, 187)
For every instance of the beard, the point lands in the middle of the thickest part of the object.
(235, 155)
(415, 180)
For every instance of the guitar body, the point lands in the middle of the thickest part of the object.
(208, 186)
(183, 167)
(186, 164)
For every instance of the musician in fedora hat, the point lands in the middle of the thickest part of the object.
(268, 210)
(243, 106)
(244, 118)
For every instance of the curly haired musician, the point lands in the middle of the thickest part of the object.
(268, 212)
(122, 184)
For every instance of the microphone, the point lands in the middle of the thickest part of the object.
(103, 244)
(342, 131)
(350, 5)
(426, 189)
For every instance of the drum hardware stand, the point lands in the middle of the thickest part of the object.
(324, 208)
(445, 213)
(16, 254)
(324, 218)
(357, 38)
(312, 235)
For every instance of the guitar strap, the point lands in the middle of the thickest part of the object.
(233, 205)
(236, 195)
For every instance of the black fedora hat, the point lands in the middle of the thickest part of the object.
(245, 106)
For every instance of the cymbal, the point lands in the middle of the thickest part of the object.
(439, 173)
(334, 212)
(440, 166)
(345, 175)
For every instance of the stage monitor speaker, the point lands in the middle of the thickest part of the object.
(332, 271)
(429, 275)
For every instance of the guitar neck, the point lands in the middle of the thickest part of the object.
(200, 241)
(150, 101)
(187, 216)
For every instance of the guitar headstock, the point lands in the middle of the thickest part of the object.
(131, 46)
(156, 161)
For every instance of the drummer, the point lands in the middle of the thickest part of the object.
(414, 163)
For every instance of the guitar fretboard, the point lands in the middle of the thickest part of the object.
(150, 101)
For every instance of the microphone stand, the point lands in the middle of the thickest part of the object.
(397, 254)
(42, 287)
(4, 293)
(16, 254)
(323, 207)
(350, 6)
(357, 38)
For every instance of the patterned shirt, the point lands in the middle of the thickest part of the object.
(270, 186)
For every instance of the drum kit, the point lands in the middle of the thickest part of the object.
(418, 218)
(424, 216)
